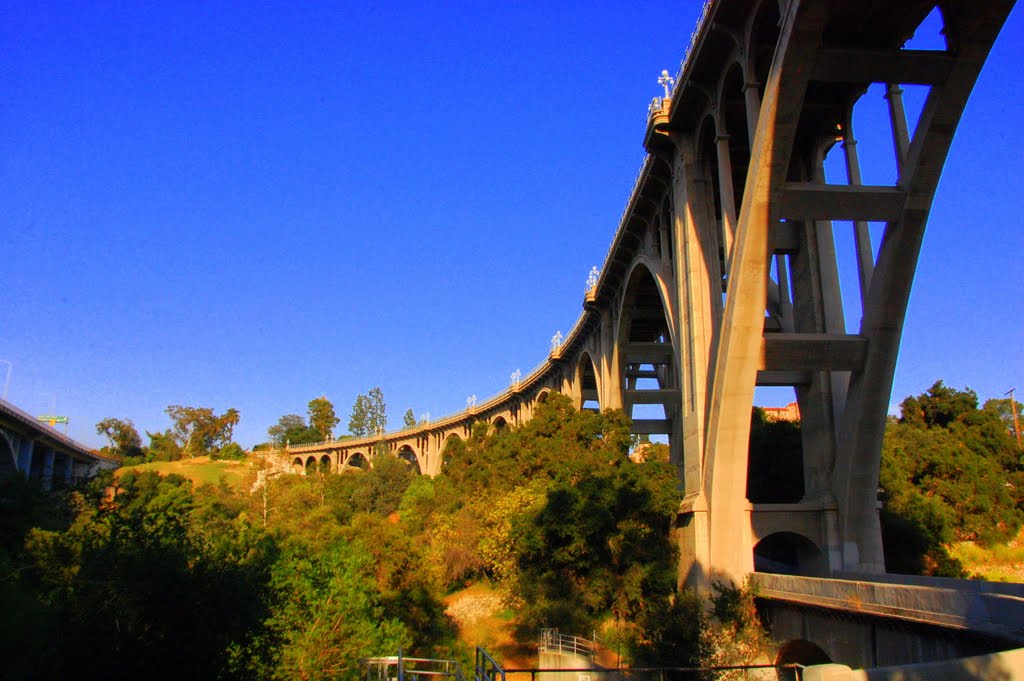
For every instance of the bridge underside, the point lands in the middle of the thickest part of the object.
(724, 275)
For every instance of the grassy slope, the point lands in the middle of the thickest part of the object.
(484, 621)
(1000, 563)
(201, 470)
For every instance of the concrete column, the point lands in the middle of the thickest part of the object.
(727, 196)
(861, 233)
(898, 118)
(611, 368)
(25, 451)
(752, 99)
(47, 477)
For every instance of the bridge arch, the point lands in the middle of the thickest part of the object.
(586, 391)
(298, 466)
(499, 424)
(408, 455)
(311, 464)
(801, 651)
(789, 553)
(734, 133)
(648, 360)
(356, 460)
(453, 443)
(326, 463)
(759, 42)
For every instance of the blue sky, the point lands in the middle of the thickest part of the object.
(249, 205)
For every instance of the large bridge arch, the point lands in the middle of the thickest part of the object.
(407, 454)
(648, 356)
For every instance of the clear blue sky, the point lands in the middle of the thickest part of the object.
(249, 205)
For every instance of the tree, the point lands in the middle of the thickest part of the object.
(228, 422)
(124, 439)
(197, 430)
(322, 416)
(949, 472)
(292, 429)
(369, 414)
(408, 420)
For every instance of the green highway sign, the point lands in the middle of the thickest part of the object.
(53, 420)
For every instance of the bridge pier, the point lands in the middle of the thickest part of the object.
(26, 447)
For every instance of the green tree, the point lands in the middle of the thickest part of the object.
(124, 439)
(286, 425)
(197, 430)
(163, 446)
(950, 472)
(369, 414)
(322, 416)
(134, 582)
(328, 614)
(408, 419)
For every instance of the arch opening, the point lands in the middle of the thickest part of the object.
(453, 446)
(734, 113)
(405, 453)
(789, 553)
(297, 465)
(499, 424)
(651, 395)
(802, 652)
(586, 393)
(357, 460)
(325, 463)
(312, 465)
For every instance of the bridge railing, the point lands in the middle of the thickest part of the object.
(542, 367)
(552, 641)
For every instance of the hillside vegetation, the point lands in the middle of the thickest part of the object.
(170, 578)
(952, 486)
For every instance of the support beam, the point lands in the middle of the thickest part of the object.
(662, 396)
(782, 379)
(909, 67)
(651, 427)
(812, 352)
(649, 353)
(813, 201)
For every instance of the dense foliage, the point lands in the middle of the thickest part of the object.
(304, 575)
(950, 472)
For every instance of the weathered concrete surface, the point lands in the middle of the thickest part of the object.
(966, 608)
(1002, 666)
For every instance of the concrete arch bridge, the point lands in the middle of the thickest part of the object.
(41, 452)
(723, 273)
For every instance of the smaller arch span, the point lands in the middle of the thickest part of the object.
(789, 553)
(405, 453)
(356, 460)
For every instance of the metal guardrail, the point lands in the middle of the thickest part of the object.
(487, 669)
(537, 372)
(551, 641)
(752, 672)
(401, 668)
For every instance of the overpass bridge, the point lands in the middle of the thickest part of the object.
(41, 452)
(723, 275)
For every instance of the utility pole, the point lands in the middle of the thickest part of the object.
(1013, 409)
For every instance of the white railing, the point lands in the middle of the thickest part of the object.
(551, 641)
